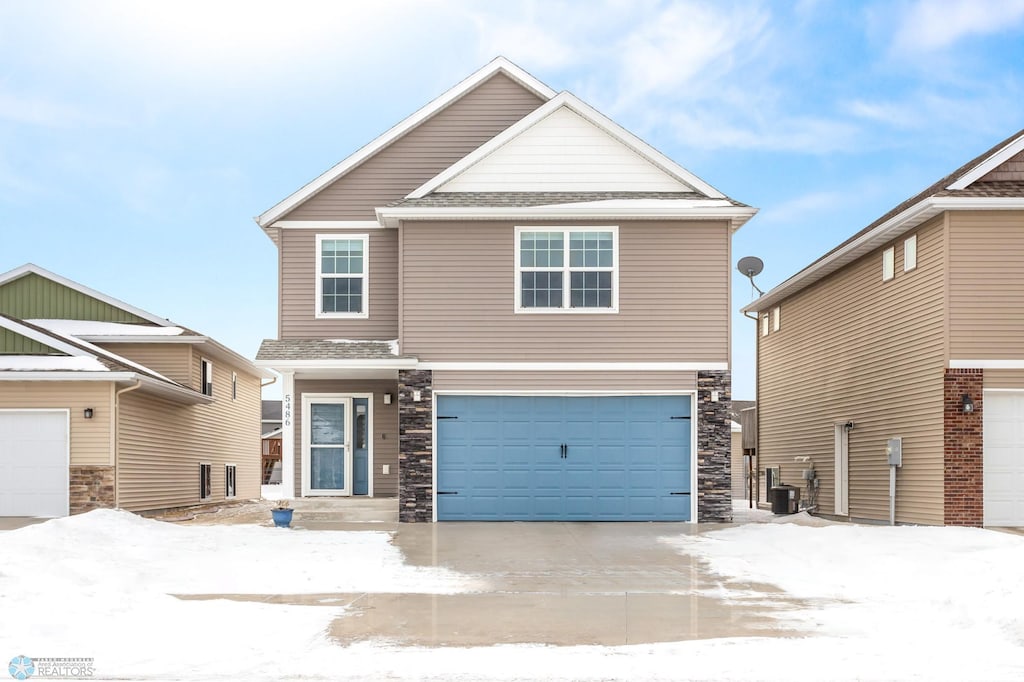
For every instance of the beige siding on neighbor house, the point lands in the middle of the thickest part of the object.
(458, 289)
(447, 380)
(986, 293)
(90, 438)
(298, 304)
(421, 153)
(173, 360)
(161, 444)
(385, 428)
(853, 347)
(739, 487)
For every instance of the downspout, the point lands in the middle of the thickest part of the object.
(117, 439)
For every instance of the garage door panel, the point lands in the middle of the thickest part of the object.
(1003, 479)
(33, 463)
(625, 457)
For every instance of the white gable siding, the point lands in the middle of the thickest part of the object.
(564, 153)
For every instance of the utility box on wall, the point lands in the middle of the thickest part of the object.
(894, 450)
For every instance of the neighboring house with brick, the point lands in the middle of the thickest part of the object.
(103, 404)
(913, 328)
(507, 307)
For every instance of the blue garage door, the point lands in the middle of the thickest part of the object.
(557, 458)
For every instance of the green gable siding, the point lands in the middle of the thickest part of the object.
(13, 343)
(34, 297)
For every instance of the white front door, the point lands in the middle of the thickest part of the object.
(326, 445)
(1003, 462)
(842, 471)
(34, 463)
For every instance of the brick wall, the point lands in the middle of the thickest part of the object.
(714, 447)
(91, 487)
(415, 446)
(963, 448)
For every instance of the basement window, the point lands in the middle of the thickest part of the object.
(229, 480)
(888, 263)
(910, 253)
(205, 480)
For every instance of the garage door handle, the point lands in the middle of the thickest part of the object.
(679, 493)
(447, 492)
(678, 417)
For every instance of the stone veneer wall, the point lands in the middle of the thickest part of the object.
(415, 446)
(91, 487)
(714, 447)
(963, 448)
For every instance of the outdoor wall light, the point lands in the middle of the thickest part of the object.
(387, 398)
(967, 404)
(848, 426)
(88, 413)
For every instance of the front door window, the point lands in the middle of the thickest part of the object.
(327, 446)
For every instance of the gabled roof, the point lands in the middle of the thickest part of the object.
(30, 268)
(960, 190)
(566, 100)
(497, 65)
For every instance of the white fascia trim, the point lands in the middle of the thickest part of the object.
(292, 365)
(737, 215)
(328, 224)
(578, 106)
(48, 339)
(81, 288)
(142, 339)
(989, 164)
(987, 364)
(575, 366)
(500, 64)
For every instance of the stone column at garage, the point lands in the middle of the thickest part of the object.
(415, 446)
(714, 446)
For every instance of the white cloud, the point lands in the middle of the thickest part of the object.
(931, 25)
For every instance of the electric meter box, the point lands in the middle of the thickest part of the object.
(894, 449)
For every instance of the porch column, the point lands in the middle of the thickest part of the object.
(288, 407)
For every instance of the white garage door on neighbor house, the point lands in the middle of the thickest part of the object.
(34, 463)
(1004, 458)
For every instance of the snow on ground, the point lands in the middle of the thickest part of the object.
(882, 604)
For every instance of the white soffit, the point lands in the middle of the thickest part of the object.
(564, 152)
(500, 64)
(532, 145)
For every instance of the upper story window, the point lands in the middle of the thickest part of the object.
(777, 319)
(888, 263)
(205, 377)
(764, 324)
(342, 275)
(910, 253)
(567, 270)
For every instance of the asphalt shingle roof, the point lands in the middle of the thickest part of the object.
(318, 349)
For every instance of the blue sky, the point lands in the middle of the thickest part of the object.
(137, 140)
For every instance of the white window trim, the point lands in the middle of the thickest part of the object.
(777, 318)
(203, 362)
(764, 324)
(318, 303)
(910, 246)
(888, 263)
(566, 289)
(226, 467)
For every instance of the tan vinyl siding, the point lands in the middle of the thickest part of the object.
(739, 486)
(298, 303)
(1004, 378)
(458, 292)
(90, 438)
(385, 428)
(421, 153)
(447, 380)
(161, 444)
(854, 348)
(169, 359)
(986, 293)
(13, 343)
(35, 297)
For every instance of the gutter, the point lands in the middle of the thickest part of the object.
(117, 439)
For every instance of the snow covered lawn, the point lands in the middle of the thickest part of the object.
(883, 603)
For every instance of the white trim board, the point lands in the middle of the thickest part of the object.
(1013, 148)
(584, 110)
(497, 65)
(328, 224)
(47, 339)
(1017, 363)
(576, 366)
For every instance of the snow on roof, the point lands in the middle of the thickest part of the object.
(96, 350)
(50, 363)
(93, 328)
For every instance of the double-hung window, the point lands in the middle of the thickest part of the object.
(567, 269)
(342, 275)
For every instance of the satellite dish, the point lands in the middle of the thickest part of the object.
(750, 265)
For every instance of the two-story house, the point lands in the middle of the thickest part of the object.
(507, 307)
(908, 336)
(103, 404)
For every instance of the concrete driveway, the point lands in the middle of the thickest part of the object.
(560, 584)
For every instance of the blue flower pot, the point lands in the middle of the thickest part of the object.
(282, 517)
